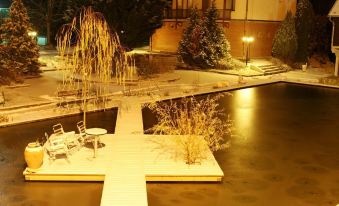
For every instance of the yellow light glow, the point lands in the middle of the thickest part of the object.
(248, 39)
(246, 96)
(32, 33)
(244, 102)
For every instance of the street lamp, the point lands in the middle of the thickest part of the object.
(247, 40)
(32, 34)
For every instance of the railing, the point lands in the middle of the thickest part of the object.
(223, 14)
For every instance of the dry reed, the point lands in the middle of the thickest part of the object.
(190, 119)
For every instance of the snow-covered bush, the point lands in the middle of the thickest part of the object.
(304, 26)
(285, 40)
(204, 43)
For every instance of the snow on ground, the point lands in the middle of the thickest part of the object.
(43, 89)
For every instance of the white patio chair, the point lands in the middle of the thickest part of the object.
(84, 138)
(70, 138)
(56, 147)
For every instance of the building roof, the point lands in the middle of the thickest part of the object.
(334, 12)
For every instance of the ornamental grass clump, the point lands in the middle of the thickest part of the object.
(196, 126)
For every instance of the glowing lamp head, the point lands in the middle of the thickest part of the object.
(32, 33)
(248, 39)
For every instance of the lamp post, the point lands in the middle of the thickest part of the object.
(247, 40)
(84, 94)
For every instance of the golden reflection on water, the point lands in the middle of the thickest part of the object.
(244, 101)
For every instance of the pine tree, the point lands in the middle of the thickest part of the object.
(193, 48)
(285, 40)
(1, 22)
(8, 67)
(21, 48)
(219, 45)
(134, 20)
(304, 26)
(204, 43)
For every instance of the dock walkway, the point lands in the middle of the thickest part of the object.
(125, 182)
(126, 162)
(125, 177)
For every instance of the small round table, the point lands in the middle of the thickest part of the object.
(96, 132)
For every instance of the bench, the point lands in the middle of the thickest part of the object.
(66, 93)
(2, 98)
(64, 101)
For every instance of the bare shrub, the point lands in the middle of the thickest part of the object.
(3, 118)
(151, 64)
(191, 118)
(230, 64)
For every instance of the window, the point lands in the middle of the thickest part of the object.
(180, 9)
(4, 12)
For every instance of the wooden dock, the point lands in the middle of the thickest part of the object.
(129, 119)
(125, 163)
(125, 177)
(127, 160)
(157, 165)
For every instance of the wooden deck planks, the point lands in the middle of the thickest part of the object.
(125, 182)
(125, 164)
(156, 164)
(163, 165)
(129, 119)
(127, 161)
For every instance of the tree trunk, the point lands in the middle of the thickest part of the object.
(48, 22)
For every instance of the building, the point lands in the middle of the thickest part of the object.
(257, 18)
(334, 18)
(4, 13)
(4, 5)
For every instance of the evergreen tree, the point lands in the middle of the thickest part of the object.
(204, 43)
(218, 44)
(1, 22)
(320, 40)
(134, 20)
(8, 67)
(285, 40)
(193, 48)
(21, 48)
(304, 26)
(73, 8)
(46, 16)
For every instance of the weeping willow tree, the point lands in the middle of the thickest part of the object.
(93, 55)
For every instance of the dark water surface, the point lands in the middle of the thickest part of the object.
(285, 152)
(14, 191)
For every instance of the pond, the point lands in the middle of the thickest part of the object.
(284, 152)
(13, 188)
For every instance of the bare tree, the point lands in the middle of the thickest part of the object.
(190, 121)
